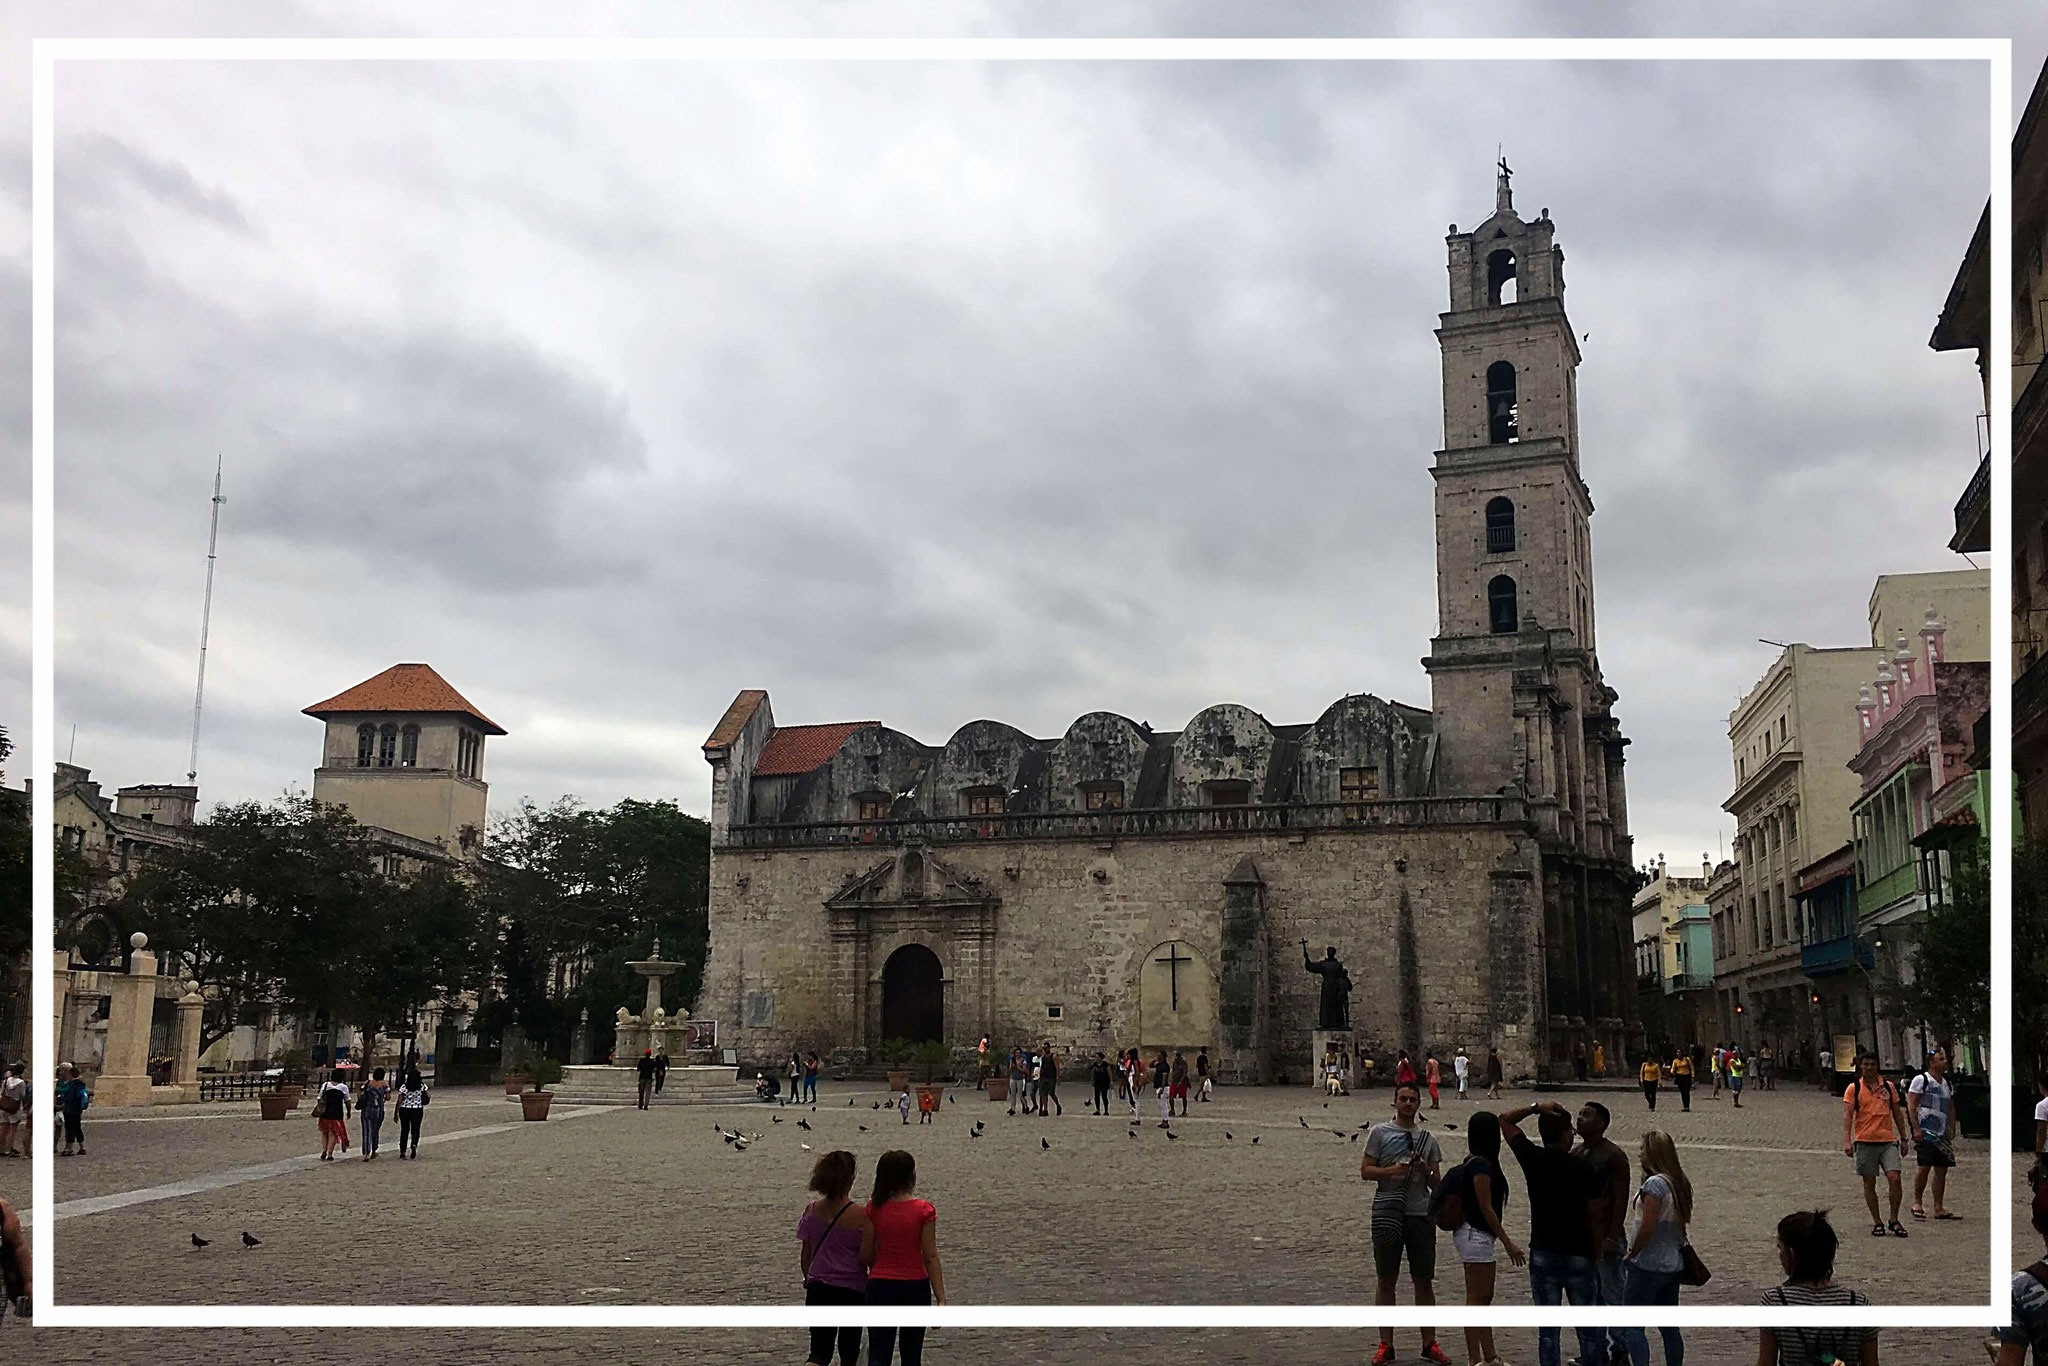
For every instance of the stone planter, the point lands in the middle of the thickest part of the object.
(291, 1095)
(937, 1092)
(534, 1104)
(899, 1081)
(514, 1085)
(275, 1104)
(998, 1088)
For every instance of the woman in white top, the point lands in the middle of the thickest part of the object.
(1656, 1251)
(15, 1125)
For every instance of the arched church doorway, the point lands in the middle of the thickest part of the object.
(913, 995)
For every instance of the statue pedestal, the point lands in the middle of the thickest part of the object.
(1325, 1044)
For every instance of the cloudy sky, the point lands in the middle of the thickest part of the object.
(930, 392)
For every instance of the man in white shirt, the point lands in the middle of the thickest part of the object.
(1931, 1109)
(1827, 1068)
(1462, 1065)
(2041, 1130)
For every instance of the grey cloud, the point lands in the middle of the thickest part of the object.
(1166, 446)
(96, 156)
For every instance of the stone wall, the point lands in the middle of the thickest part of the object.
(1444, 921)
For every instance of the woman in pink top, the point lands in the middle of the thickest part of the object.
(1435, 1074)
(905, 1269)
(838, 1241)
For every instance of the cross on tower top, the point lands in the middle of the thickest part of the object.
(1504, 195)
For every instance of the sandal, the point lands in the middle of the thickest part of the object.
(1946, 1214)
(1898, 1229)
(1877, 1230)
(1919, 1213)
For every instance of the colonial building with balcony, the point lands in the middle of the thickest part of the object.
(1916, 723)
(1118, 885)
(1675, 957)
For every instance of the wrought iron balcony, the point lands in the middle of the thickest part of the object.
(1843, 953)
(1973, 512)
(2030, 693)
(1690, 981)
(1104, 825)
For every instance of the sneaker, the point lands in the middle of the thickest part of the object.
(1384, 1356)
(1434, 1352)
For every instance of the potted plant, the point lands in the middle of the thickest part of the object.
(929, 1057)
(295, 1065)
(276, 1104)
(896, 1057)
(544, 1072)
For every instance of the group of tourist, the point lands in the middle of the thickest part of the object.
(1593, 1237)
(334, 1100)
(885, 1251)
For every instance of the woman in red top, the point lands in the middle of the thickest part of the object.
(906, 1266)
(1404, 1071)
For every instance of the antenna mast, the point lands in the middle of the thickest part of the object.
(205, 624)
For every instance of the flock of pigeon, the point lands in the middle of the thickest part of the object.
(739, 1140)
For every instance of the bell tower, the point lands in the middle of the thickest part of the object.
(1515, 684)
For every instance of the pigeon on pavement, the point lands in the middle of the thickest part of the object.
(247, 1241)
(198, 1241)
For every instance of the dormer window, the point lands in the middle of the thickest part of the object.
(387, 745)
(366, 744)
(409, 747)
(1102, 796)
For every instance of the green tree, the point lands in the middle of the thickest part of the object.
(272, 902)
(1949, 994)
(422, 942)
(579, 893)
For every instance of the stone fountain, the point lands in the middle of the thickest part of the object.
(654, 1030)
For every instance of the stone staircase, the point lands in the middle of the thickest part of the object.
(603, 1085)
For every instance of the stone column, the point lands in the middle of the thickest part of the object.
(60, 996)
(124, 1067)
(185, 1046)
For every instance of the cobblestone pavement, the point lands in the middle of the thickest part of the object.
(620, 1206)
(1035, 1347)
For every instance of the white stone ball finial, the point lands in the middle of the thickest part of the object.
(138, 940)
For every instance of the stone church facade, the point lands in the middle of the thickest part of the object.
(1119, 886)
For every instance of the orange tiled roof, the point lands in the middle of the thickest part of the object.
(799, 749)
(404, 687)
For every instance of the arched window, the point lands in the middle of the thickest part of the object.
(387, 745)
(1500, 526)
(1500, 606)
(1500, 277)
(409, 747)
(366, 744)
(1501, 410)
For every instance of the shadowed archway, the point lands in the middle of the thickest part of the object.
(913, 995)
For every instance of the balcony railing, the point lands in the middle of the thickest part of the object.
(1973, 511)
(1839, 954)
(2030, 692)
(1104, 825)
(1690, 981)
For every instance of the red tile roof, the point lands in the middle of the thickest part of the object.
(799, 749)
(404, 687)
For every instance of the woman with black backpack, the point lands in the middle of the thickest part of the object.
(412, 1107)
(1480, 1189)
